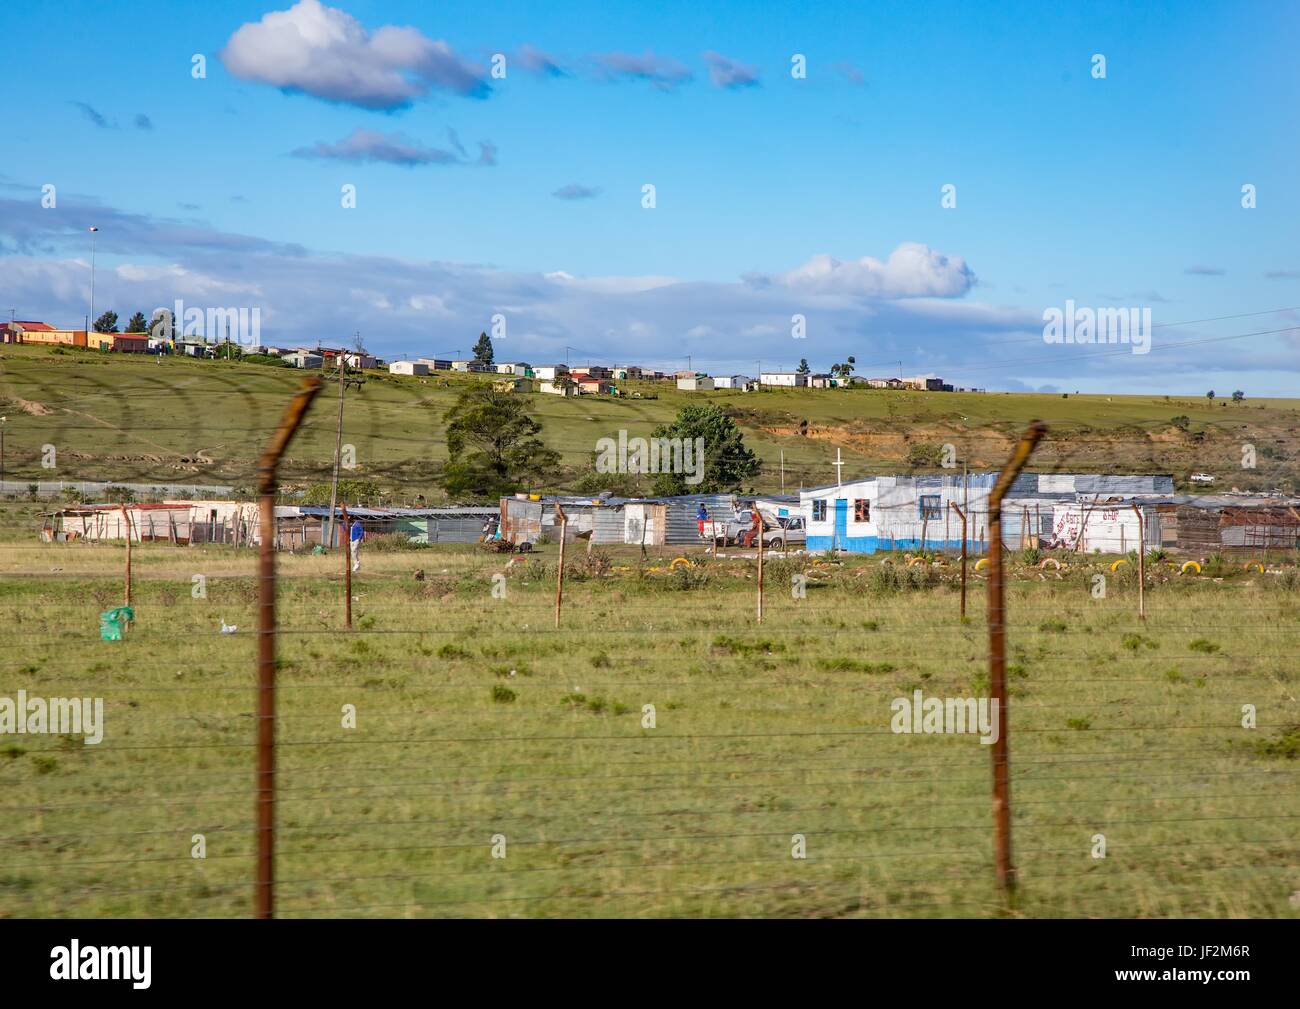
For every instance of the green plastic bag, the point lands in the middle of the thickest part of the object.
(111, 621)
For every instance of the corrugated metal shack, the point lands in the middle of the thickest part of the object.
(526, 519)
(1201, 524)
(306, 525)
(180, 522)
(663, 521)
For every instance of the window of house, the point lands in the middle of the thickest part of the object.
(929, 506)
(861, 510)
(819, 510)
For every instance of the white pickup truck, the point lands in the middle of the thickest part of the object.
(778, 532)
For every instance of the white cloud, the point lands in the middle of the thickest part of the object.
(913, 270)
(325, 52)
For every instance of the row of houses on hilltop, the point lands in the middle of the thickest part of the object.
(43, 334)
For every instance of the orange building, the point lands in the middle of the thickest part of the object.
(43, 332)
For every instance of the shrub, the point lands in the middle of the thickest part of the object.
(391, 543)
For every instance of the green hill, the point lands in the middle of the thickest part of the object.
(125, 418)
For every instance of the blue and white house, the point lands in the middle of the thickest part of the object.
(912, 512)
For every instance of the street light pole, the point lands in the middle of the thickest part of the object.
(91, 321)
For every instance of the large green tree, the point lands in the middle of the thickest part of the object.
(727, 463)
(492, 445)
(137, 324)
(106, 323)
(483, 349)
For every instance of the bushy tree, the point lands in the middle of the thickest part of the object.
(138, 324)
(483, 349)
(350, 492)
(106, 323)
(727, 463)
(492, 445)
(803, 368)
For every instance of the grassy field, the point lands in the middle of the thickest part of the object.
(128, 418)
(476, 718)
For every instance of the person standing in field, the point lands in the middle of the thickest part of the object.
(355, 537)
(701, 516)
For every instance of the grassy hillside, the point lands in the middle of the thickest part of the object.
(124, 418)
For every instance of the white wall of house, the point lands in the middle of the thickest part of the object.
(731, 381)
(408, 368)
(700, 383)
(791, 379)
(550, 372)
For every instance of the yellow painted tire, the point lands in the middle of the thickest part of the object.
(981, 564)
(680, 562)
(1042, 565)
(1254, 564)
(1190, 565)
(1118, 563)
(915, 561)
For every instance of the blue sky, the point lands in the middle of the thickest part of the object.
(1122, 191)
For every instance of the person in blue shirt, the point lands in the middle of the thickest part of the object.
(701, 516)
(355, 536)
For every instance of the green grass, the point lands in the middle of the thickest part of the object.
(123, 417)
(476, 718)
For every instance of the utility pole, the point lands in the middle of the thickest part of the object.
(90, 318)
(344, 382)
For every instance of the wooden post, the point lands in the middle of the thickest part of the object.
(1142, 564)
(266, 487)
(126, 519)
(962, 515)
(347, 573)
(758, 517)
(925, 526)
(1006, 873)
(559, 573)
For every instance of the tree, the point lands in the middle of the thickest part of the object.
(844, 370)
(1238, 396)
(106, 323)
(803, 368)
(724, 464)
(349, 491)
(138, 324)
(483, 349)
(1210, 395)
(492, 445)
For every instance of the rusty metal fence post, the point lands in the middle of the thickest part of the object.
(1006, 873)
(758, 517)
(266, 488)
